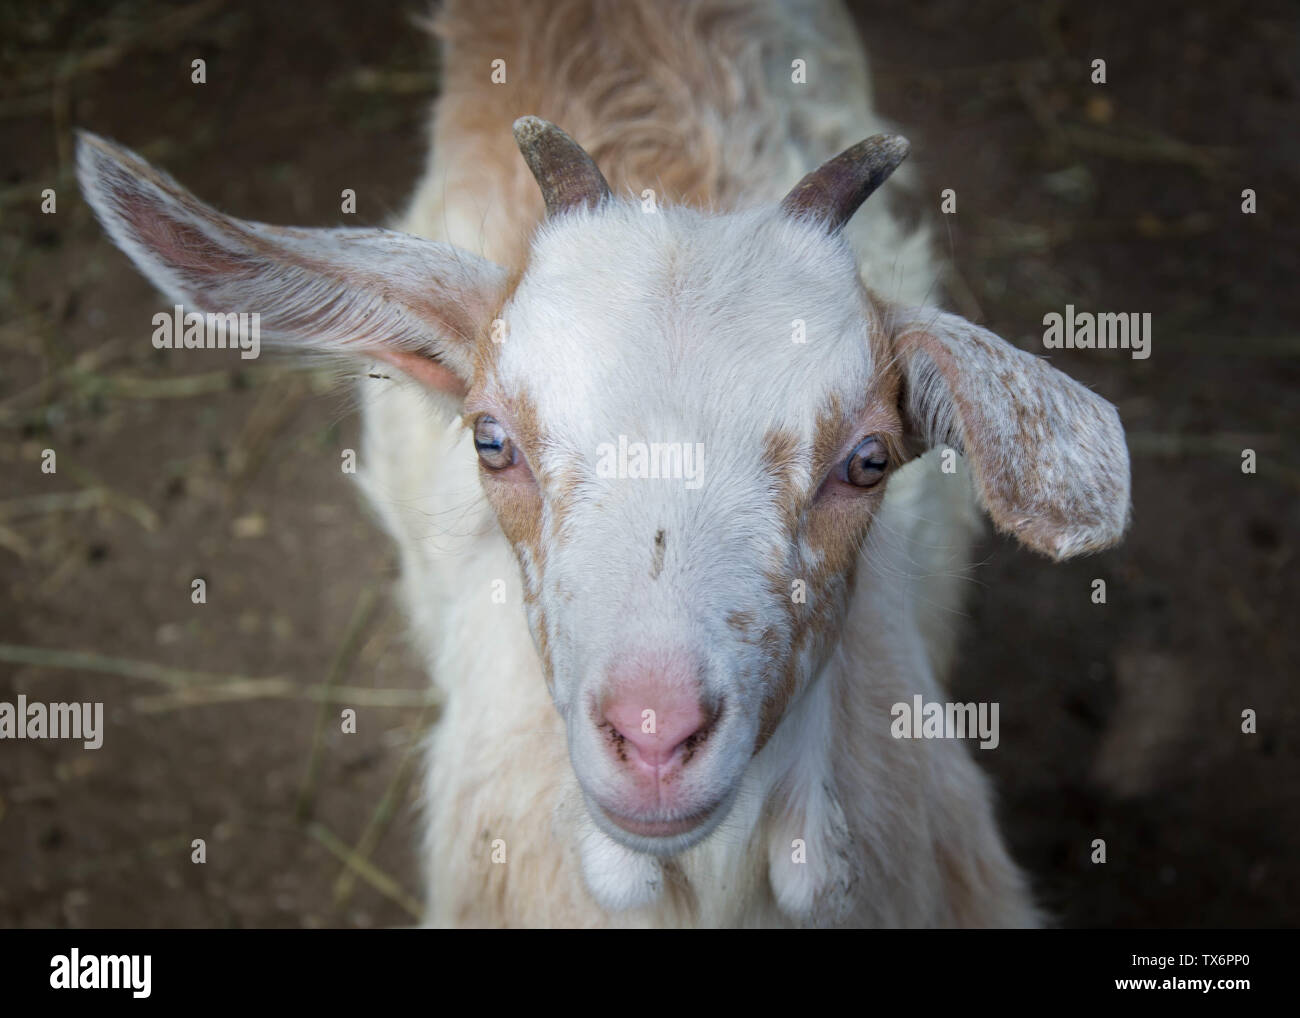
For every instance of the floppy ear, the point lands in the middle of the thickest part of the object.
(415, 303)
(1048, 455)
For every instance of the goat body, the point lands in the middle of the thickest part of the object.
(777, 610)
(696, 101)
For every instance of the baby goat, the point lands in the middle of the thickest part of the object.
(681, 715)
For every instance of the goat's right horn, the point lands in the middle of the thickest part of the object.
(568, 177)
(837, 188)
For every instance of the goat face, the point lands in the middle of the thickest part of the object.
(685, 434)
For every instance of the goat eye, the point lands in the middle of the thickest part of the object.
(493, 444)
(866, 464)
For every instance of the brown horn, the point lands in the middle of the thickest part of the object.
(836, 189)
(568, 177)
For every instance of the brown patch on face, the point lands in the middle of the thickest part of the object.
(876, 413)
(486, 351)
(519, 511)
(834, 524)
(563, 487)
(830, 433)
(770, 641)
(781, 461)
(776, 704)
(518, 502)
(781, 658)
(542, 627)
(742, 622)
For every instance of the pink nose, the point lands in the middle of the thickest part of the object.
(658, 716)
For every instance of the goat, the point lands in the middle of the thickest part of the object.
(681, 715)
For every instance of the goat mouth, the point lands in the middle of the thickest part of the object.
(663, 838)
(657, 828)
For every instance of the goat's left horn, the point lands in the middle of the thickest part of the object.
(568, 177)
(837, 188)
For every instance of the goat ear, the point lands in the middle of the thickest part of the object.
(415, 303)
(1048, 455)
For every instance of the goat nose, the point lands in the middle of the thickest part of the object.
(655, 720)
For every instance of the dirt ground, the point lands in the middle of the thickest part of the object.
(1120, 721)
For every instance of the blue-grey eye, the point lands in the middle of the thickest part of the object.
(867, 463)
(493, 444)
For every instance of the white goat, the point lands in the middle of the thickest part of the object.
(682, 713)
